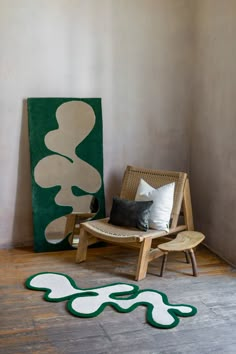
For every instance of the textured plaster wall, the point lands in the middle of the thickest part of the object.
(213, 148)
(135, 54)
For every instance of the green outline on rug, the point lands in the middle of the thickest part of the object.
(87, 291)
(156, 300)
(173, 312)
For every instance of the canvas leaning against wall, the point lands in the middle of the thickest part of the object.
(66, 149)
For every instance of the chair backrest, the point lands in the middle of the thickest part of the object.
(155, 178)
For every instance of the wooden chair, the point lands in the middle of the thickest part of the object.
(73, 222)
(97, 230)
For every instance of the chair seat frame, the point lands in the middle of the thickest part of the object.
(100, 230)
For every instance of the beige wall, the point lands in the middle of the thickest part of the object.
(165, 70)
(213, 147)
(135, 54)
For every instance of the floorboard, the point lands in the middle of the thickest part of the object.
(29, 324)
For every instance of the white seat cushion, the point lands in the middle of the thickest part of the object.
(163, 198)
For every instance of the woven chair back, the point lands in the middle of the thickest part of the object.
(156, 178)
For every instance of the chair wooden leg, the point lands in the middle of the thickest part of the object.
(187, 256)
(70, 225)
(164, 259)
(143, 259)
(194, 263)
(81, 253)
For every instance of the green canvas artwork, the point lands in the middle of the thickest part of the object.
(66, 149)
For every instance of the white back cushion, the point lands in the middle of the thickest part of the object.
(163, 198)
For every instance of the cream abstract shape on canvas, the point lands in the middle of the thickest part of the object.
(64, 168)
(66, 151)
(91, 302)
(76, 120)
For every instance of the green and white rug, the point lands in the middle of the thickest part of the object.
(91, 302)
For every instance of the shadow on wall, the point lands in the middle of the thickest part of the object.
(112, 188)
(22, 230)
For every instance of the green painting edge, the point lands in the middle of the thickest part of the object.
(40, 242)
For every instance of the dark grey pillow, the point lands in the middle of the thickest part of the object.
(130, 213)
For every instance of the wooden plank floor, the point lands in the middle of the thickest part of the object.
(29, 324)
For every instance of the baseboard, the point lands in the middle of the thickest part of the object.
(220, 256)
(11, 245)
